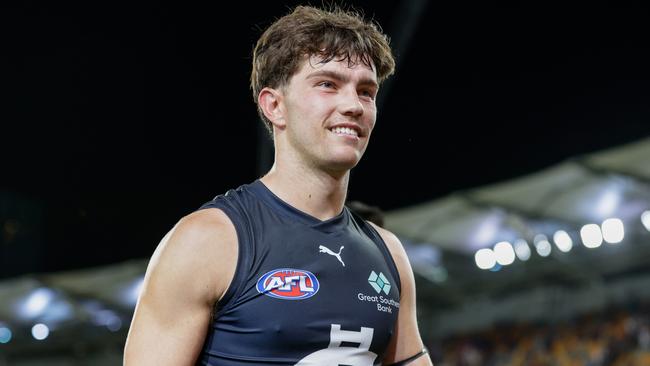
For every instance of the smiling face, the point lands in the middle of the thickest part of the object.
(328, 113)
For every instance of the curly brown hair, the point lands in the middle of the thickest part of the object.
(307, 31)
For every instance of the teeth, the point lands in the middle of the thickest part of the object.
(345, 131)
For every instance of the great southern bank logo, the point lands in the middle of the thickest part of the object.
(288, 284)
(379, 282)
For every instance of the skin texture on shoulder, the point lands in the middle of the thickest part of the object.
(188, 273)
(406, 341)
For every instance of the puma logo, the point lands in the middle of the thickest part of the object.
(324, 249)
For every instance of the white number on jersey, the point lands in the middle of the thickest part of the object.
(334, 354)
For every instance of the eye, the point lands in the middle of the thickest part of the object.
(326, 84)
(367, 93)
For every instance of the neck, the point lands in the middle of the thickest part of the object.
(315, 192)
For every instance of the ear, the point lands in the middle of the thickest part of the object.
(270, 101)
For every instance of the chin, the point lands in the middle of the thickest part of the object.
(342, 159)
(343, 164)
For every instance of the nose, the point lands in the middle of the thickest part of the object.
(350, 104)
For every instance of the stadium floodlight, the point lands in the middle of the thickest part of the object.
(522, 250)
(542, 246)
(613, 230)
(5, 335)
(591, 236)
(504, 253)
(645, 219)
(35, 303)
(485, 258)
(40, 331)
(562, 241)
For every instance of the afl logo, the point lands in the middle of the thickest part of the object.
(288, 284)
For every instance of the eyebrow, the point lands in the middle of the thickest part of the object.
(341, 77)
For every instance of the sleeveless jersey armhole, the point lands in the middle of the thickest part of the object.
(243, 257)
(376, 237)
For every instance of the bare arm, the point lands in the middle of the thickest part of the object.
(188, 273)
(406, 340)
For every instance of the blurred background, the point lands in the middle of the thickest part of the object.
(511, 156)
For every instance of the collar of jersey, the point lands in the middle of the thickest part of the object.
(277, 204)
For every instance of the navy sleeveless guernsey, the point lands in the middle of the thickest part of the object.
(306, 291)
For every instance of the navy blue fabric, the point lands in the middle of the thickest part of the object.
(351, 299)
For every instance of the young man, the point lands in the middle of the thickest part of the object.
(279, 271)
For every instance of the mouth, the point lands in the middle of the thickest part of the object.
(345, 131)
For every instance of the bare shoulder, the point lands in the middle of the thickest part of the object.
(201, 235)
(204, 228)
(201, 246)
(188, 273)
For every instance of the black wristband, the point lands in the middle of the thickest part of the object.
(410, 359)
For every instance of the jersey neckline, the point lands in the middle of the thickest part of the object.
(265, 194)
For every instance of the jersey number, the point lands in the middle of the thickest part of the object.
(334, 354)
